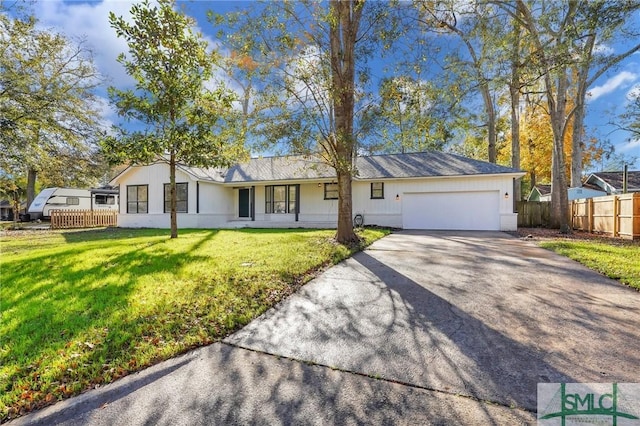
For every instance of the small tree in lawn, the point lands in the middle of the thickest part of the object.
(175, 116)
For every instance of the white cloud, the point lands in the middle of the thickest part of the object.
(90, 21)
(619, 80)
(630, 147)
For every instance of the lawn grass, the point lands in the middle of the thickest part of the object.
(79, 309)
(619, 260)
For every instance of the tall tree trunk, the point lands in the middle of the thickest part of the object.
(345, 233)
(557, 104)
(514, 90)
(172, 197)
(492, 133)
(577, 139)
(577, 143)
(342, 38)
(32, 174)
(559, 194)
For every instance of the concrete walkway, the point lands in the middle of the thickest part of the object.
(422, 328)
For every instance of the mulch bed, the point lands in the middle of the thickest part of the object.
(543, 234)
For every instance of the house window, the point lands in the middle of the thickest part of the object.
(181, 197)
(73, 201)
(280, 198)
(330, 191)
(137, 198)
(105, 199)
(377, 190)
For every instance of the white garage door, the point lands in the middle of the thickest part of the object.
(477, 211)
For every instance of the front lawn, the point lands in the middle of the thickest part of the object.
(616, 259)
(80, 309)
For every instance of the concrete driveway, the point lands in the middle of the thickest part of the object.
(421, 328)
(479, 314)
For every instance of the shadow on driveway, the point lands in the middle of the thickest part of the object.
(475, 314)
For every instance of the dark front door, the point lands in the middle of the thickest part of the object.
(243, 206)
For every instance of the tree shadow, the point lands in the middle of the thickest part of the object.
(489, 321)
(222, 384)
(60, 301)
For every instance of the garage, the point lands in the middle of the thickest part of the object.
(472, 210)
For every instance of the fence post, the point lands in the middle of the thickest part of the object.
(616, 213)
(589, 212)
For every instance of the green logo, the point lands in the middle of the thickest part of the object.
(588, 403)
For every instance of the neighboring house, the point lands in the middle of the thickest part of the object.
(431, 190)
(543, 193)
(6, 210)
(611, 182)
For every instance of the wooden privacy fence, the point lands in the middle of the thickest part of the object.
(618, 215)
(66, 219)
(533, 213)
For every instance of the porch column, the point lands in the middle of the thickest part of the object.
(252, 198)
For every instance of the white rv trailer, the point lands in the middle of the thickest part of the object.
(72, 199)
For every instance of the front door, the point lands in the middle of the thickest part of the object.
(244, 202)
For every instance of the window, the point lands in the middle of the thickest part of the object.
(330, 191)
(181, 197)
(137, 198)
(377, 190)
(102, 199)
(280, 198)
(73, 201)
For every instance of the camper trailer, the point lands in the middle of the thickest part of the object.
(72, 199)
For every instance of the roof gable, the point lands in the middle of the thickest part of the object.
(614, 180)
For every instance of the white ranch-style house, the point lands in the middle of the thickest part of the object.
(429, 190)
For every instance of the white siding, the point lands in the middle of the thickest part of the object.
(219, 203)
(388, 212)
(214, 206)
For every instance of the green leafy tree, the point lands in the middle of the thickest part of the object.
(47, 106)
(482, 31)
(597, 23)
(13, 190)
(630, 119)
(175, 117)
(412, 116)
(311, 81)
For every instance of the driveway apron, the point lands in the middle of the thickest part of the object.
(480, 314)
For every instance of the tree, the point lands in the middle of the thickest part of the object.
(515, 83)
(630, 119)
(13, 190)
(549, 30)
(312, 93)
(412, 116)
(563, 37)
(596, 22)
(537, 142)
(481, 30)
(344, 20)
(174, 117)
(47, 104)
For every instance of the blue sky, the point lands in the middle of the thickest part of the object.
(89, 20)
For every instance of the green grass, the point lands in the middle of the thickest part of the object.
(79, 309)
(619, 260)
